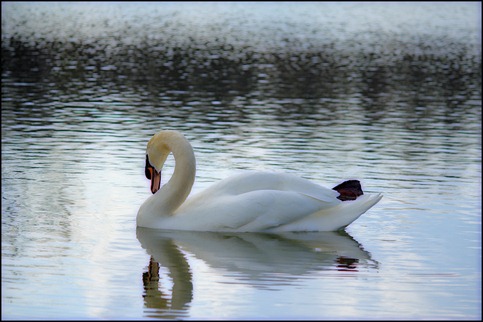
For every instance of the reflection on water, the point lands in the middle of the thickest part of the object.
(162, 305)
(389, 94)
(265, 261)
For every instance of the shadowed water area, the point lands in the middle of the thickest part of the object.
(388, 94)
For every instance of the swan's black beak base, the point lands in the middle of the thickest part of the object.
(152, 175)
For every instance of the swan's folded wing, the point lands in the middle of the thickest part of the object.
(335, 218)
(268, 209)
(251, 211)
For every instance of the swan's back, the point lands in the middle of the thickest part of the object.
(264, 201)
(251, 181)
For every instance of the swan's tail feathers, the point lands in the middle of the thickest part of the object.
(349, 190)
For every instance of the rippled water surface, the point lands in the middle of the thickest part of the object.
(387, 94)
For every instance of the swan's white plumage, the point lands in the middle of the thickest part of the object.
(252, 201)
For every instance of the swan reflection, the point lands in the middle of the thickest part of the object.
(257, 259)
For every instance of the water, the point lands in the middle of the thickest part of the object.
(388, 94)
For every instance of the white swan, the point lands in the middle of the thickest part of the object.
(253, 201)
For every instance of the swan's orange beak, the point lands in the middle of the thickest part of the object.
(153, 175)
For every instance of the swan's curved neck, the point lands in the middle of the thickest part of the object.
(175, 192)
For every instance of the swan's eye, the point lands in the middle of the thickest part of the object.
(148, 168)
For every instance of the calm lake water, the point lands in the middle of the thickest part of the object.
(389, 94)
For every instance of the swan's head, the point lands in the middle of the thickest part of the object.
(157, 152)
(158, 149)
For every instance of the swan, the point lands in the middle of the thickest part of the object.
(253, 201)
